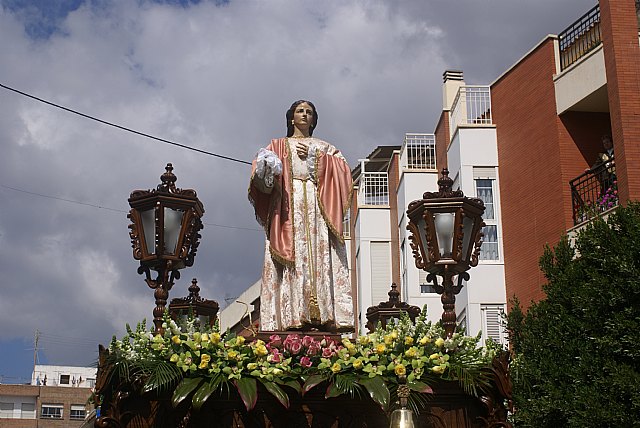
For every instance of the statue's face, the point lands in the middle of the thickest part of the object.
(303, 116)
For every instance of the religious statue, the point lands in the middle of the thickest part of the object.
(300, 189)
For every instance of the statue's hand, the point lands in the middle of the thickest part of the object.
(302, 148)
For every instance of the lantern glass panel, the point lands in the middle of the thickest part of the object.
(172, 226)
(467, 229)
(422, 229)
(149, 229)
(444, 223)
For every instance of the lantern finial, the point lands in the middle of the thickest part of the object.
(168, 179)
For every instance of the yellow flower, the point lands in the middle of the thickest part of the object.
(424, 340)
(357, 364)
(174, 358)
(411, 352)
(352, 349)
(204, 337)
(239, 340)
(388, 339)
(400, 370)
(434, 356)
(380, 348)
(204, 361)
(215, 338)
(232, 354)
(176, 339)
(439, 342)
(363, 340)
(438, 369)
(336, 367)
(252, 366)
(394, 334)
(408, 340)
(197, 337)
(260, 350)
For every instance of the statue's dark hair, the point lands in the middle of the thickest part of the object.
(290, 117)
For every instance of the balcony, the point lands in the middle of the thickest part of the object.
(418, 152)
(373, 189)
(580, 38)
(583, 36)
(594, 192)
(472, 106)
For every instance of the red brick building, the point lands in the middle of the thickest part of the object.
(551, 110)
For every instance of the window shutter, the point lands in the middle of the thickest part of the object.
(380, 272)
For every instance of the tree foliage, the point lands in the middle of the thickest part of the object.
(577, 353)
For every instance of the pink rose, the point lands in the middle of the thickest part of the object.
(305, 362)
(327, 352)
(308, 341)
(295, 348)
(275, 340)
(314, 349)
(290, 340)
(275, 356)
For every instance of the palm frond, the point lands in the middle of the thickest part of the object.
(162, 376)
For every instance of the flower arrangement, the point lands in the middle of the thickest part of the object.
(198, 361)
(608, 198)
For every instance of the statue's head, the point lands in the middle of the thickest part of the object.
(290, 117)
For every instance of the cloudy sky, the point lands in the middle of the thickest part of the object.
(217, 76)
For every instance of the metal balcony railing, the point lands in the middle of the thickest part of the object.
(418, 152)
(580, 38)
(472, 106)
(594, 192)
(373, 189)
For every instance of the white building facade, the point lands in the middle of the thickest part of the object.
(393, 176)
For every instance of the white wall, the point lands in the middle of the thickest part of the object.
(85, 377)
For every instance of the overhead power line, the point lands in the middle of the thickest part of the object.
(124, 128)
(15, 189)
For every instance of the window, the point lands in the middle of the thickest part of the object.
(51, 411)
(462, 321)
(485, 182)
(6, 410)
(28, 410)
(64, 379)
(91, 382)
(77, 412)
(492, 325)
(425, 287)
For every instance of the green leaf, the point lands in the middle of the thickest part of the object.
(421, 387)
(161, 377)
(277, 392)
(248, 390)
(294, 384)
(204, 392)
(332, 391)
(185, 388)
(312, 382)
(377, 390)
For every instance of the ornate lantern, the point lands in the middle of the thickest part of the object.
(446, 235)
(206, 311)
(164, 234)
